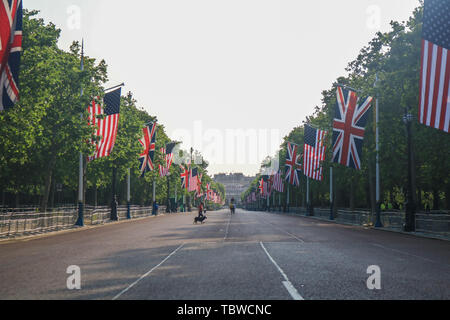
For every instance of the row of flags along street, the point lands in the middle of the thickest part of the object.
(348, 127)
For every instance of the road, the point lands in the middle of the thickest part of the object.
(247, 256)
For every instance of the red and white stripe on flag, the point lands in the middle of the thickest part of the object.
(278, 184)
(314, 156)
(106, 130)
(434, 108)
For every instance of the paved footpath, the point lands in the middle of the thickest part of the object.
(250, 256)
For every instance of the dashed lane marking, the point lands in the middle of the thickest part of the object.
(146, 274)
(287, 284)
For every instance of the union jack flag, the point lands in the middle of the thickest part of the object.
(261, 186)
(348, 128)
(147, 157)
(10, 47)
(293, 164)
(184, 177)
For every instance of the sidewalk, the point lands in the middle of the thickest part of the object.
(435, 236)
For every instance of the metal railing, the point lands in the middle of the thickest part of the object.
(28, 221)
(435, 223)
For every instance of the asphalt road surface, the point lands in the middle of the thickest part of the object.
(247, 256)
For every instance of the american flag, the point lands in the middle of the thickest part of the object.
(193, 180)
(10, 47)
(293, 165)
(106, 120)
(349, 128)
(168, 159)
(184, 177)
(148, 142)
(278, 184)
(163, 171)
(434, 99)
(314, 152)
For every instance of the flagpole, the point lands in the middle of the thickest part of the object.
(331, 194)
(279, 200)
(378, 223)
(288, 197)
(80, 221)
(115, 87)
(114, 216)
(176, 202)
(154, 197)
(168, 209)
(308, 204)
(273, 199)
(129, 194)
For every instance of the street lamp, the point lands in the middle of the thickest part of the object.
(410, 206)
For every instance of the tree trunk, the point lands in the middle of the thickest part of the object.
(17, 200)
(48, 181)
(352, 194)
(84, 182)
(95, 195)
(419, 199)
(52, 194)
(436, 199)
(447, 196)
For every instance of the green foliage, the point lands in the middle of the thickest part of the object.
(395, 57)
(42, 137)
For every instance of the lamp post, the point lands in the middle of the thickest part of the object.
(378, 223)
(410, 205)
(80, 220)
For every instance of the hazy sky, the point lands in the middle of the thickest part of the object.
(231, 78)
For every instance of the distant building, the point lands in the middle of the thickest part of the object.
(235, 184)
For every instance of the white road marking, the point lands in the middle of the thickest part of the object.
(288, 233)
(145, 275)
(287, 284)
(228, 227)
